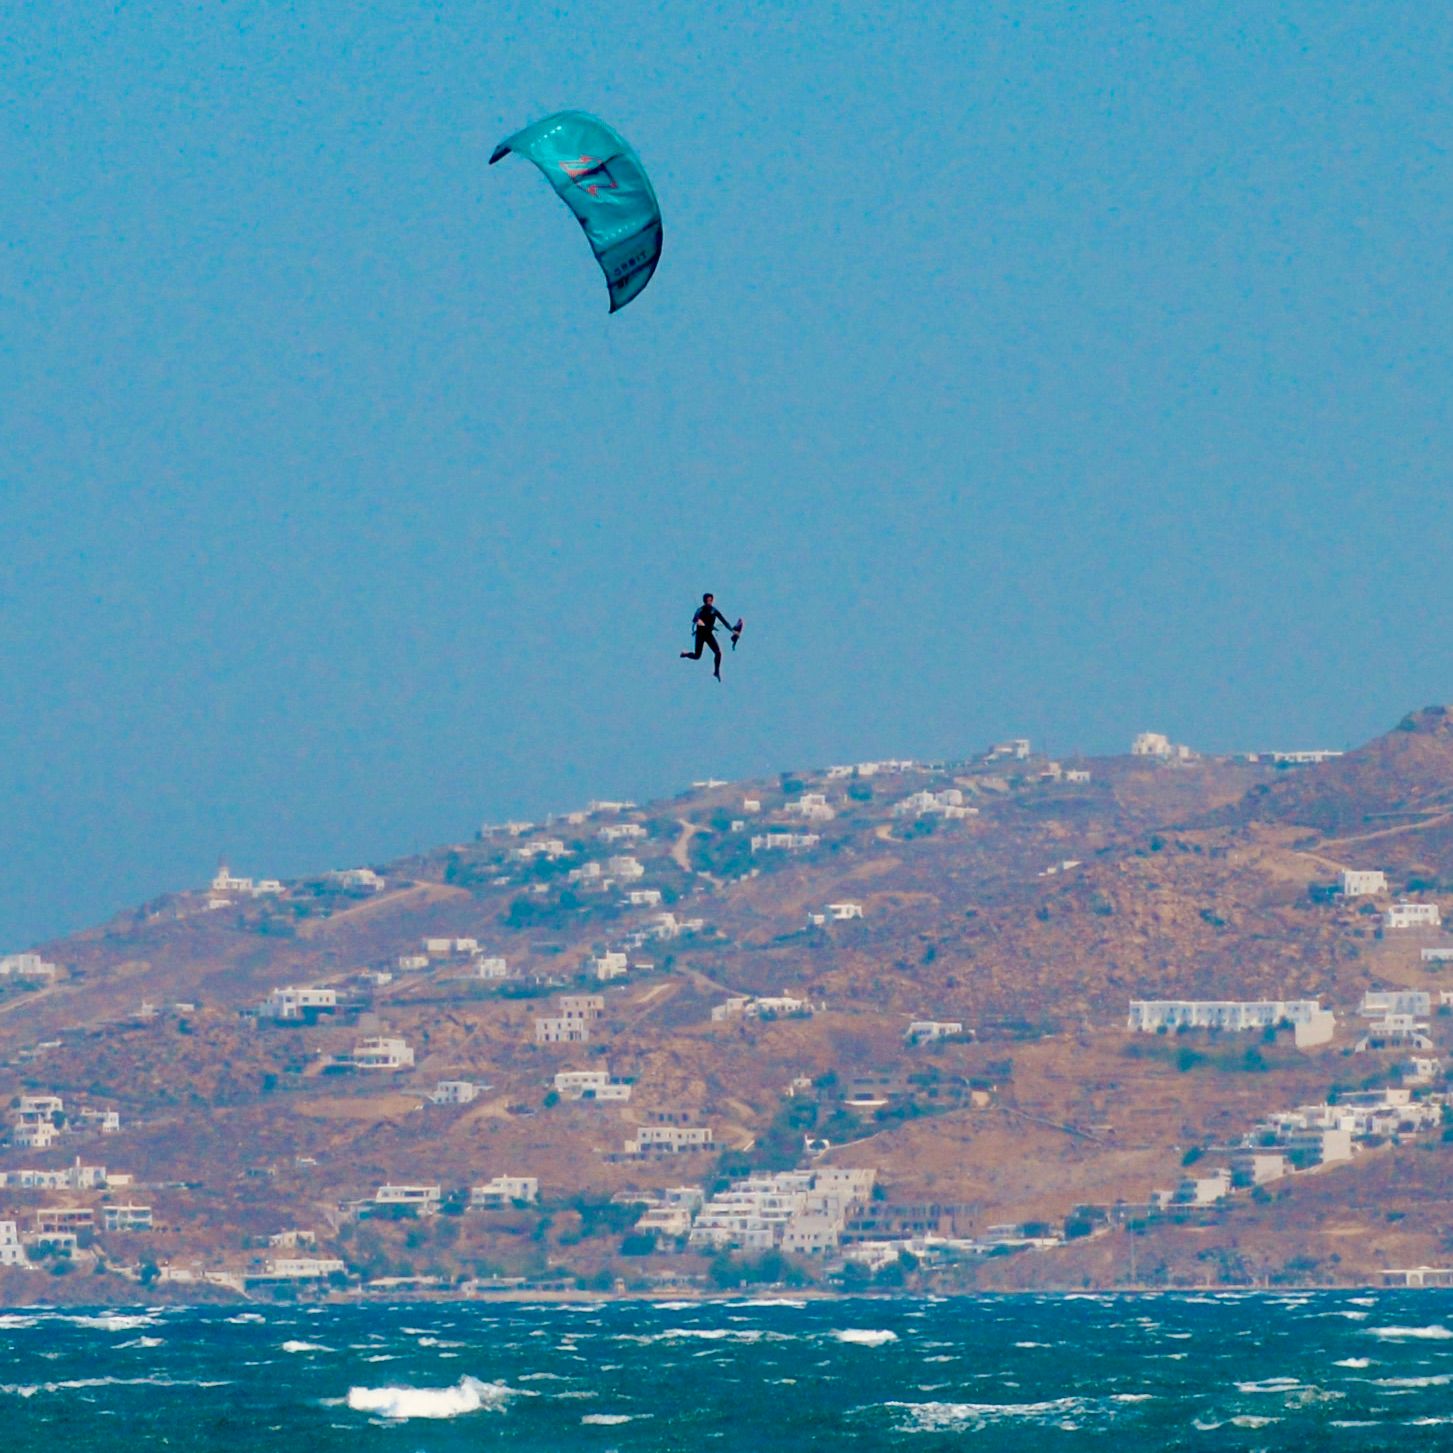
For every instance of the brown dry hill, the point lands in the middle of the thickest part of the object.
(1032, 914)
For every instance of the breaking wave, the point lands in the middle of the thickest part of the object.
(399, 1404)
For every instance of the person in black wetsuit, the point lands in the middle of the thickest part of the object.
(704, 624)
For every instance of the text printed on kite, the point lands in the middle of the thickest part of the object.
(600, 178)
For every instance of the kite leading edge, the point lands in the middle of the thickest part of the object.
(601, 179)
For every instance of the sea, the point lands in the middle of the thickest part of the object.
(1324, 1370)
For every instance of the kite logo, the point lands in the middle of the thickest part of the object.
(583, 166)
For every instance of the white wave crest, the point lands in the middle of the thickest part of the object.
(468, 1395)
(295, 1346)
(971, 1417)
(1353, 1362)
(111, 1321)
(1435, 1333)
(864, 1336)
(609, 1420)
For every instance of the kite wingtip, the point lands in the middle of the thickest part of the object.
(503, 149)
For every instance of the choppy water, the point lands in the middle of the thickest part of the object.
(1325, 1370)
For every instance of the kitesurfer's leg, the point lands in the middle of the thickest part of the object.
(701, 639)
(715, 657)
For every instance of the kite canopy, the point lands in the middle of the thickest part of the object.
(602, 181)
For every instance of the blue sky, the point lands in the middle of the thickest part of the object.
(1066, 370)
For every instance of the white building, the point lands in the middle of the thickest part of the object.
(1363, 882)
(1438, 955)
(455, 1092)
(1377, 1003)
(420, 1200)
(411, 963)
(1016, 747)
(1151, 744)
(126, 1218)
(1255, 1166)
(302, 1268)
(813, 806)
(842, 912)
(625, 867)
(671, 1140)
(594, 1085)
(921, 1031)
(40, 1135)
(800, 1211)
(948, 804)
(608, 965)
(1395, 1031)
(34, 1108)
(742, 1006)
(1203, 1190)
(1412, 915)
(491, 967)
(644, 897)
(26, 966)
(780, 841)
(105, 1122)
(290, 1004)
(1076, 774)
(503, 1191)
(557, 1029)
(1312, 1024)
(621, 832)
(226, 882)
(358, 878)
(380, 1053)
(12, 1253)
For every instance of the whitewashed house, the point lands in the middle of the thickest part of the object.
(126, 1218)
(411, 963)
(380, 1053)
(625, 867)
(1411, 915)
(364, 879)
(1376, 1003)
(843, 912)
(596, 1085)
(503, 1191)
(1363, 882)
(32, 1108)
(455, 1092)
(26, 966)
(923, 1031)
(410, 1200)
(290, 1004)
(1151, 744)
(1311, 1023)
(12, 1253)
(490, 966)
(670, 1140)
(556, 1029)
(608, 965)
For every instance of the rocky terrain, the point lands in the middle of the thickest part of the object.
(1027, 901)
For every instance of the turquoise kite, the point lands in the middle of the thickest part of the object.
(602, 181)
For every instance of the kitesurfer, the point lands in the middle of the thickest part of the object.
(703, 623)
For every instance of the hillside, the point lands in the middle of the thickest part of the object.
(1024, 900)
